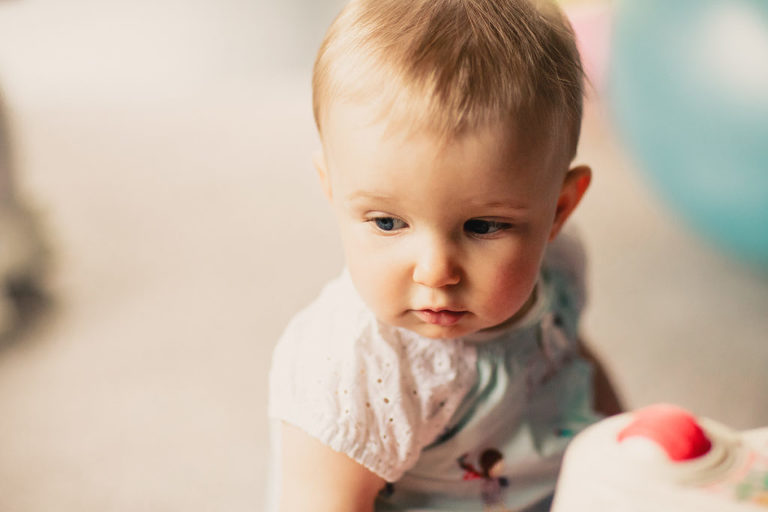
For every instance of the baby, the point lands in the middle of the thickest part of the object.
(443, 369)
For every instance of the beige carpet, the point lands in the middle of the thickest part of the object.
(187, 225)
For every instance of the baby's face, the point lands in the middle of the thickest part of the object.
(444, 239)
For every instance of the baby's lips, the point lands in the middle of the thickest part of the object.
(443, 318)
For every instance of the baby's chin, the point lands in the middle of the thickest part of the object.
(441, 333)
(444, 334)
(469, 325)
(462, 328)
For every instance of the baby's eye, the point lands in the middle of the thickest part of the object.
(485, 227)
(388, 223)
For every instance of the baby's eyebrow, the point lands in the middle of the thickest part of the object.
(361, 195)
(501, 204)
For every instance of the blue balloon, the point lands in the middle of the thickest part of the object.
(688, 87)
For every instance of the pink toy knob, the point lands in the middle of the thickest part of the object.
(672, 428)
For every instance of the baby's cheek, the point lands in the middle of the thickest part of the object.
(376, 287)
(389, 294)
(511, 289)
(375, 293)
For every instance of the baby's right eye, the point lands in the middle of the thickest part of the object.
(388, 223)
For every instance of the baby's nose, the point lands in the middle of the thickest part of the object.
(437, 266)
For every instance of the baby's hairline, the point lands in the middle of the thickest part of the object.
(539, 131)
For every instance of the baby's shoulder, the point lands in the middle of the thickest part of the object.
(336, 316)
(565, 267)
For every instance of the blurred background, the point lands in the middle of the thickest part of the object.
(157, 186)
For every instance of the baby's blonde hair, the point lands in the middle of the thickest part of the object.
(453, 65)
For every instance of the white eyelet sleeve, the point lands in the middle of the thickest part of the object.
(373, 392)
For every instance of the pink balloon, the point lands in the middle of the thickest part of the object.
(592, 24)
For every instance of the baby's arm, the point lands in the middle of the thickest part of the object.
(606, 400)
(317, 478)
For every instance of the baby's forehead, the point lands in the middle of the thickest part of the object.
(397, 128)
(394, 159)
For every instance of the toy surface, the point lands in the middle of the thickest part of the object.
(663, 458)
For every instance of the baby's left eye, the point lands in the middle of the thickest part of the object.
(485, 227)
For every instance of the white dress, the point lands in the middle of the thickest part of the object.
(431, 416)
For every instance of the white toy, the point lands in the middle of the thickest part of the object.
(663, 458)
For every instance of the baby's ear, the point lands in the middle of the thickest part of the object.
(575, 184)
(322, 172)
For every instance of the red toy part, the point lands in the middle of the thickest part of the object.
(672, 428)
